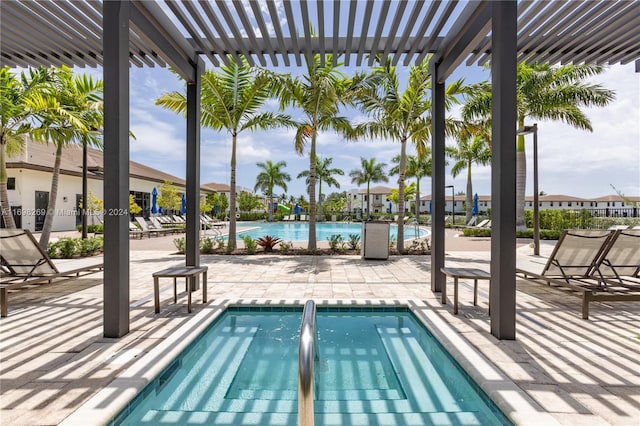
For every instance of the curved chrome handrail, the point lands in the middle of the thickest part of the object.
(306, 355)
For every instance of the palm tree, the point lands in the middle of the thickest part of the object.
(324, 173)
(401, 116)
(543, 92)
(270, 177)
(417, 167)
(22, 100)
(369, 171)
(319, 94)
(77, 119)
(471, 149)
(232, 99)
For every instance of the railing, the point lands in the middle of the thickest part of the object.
(306, 359)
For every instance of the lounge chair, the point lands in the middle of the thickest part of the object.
(483, 223)
(472, 221)
(170, 229)
(303, 218)
(620, 264)
(151, 229)
(575, 263)
(25, 263)
(135, 232)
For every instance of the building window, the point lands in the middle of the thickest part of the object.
(11, 183)
(560, 204)
(530, 203)
(569, 204)
(551, 204)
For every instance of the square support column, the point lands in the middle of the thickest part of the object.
(192, 252)
(116, 167)
(503, 169)
(437, 179)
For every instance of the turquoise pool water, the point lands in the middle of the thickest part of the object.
(299, 231)
(373, 367)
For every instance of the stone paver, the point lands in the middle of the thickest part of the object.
(53, 357)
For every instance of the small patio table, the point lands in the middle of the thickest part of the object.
(468, 273)
(189, 273)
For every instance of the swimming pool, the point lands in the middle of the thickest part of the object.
(299, 231)
(375, 366)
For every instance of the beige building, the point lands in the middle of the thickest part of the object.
(29, 184)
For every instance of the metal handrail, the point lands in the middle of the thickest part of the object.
(306, 359)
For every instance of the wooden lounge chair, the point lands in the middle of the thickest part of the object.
(574, 264)
(25, 263)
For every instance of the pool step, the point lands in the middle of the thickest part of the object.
(278, 419)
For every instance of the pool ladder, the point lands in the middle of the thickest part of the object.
(307, 355)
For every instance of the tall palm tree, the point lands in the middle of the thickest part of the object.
(232, 99)
(324, 173)
(318, 94)
(271, 176)
(417, 167)
(22, 101)
(370, 171)
(400, 115)
(78, 119)
(543, 92)
(470, 150)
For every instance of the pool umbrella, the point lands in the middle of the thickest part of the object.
(154, 201)
(183, 207)
(429, 206)
(217, 209)
(296, 209)
(474, 211)
(390, 208)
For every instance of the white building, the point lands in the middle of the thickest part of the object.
(29, 184)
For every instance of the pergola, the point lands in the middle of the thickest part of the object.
(185, 34)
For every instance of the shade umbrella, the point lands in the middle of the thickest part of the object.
(296, 209)
(474, 211)
(390, 208)
(429, 206)
(154, 201)
(217, 209)
(183, 207)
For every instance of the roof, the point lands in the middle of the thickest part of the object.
(377, 190)
(172, 33)
(40, 156)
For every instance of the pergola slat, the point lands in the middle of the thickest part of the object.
(292, 31)
(199, 43)
(273, 14)
(422, 31)
(382, 17)
(257, 14)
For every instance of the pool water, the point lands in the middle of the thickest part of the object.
(379, 368)
(299, 231)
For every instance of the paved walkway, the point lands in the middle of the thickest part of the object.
(54, 358)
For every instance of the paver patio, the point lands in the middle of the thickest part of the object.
(54, 358)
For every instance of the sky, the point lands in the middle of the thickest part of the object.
(571, 161)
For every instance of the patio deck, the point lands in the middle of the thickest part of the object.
(54, 358)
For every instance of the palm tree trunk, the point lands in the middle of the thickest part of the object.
(7, 216)
(417, 199)
(469, 199)
(368, 200)
(521, 178)
(320, 200)
(402, 167)
(51, 206)
(312, 191)
(231, 244)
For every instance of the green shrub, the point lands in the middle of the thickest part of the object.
(90, 246)
(250, 244)
(476, 232)
(220, 243)
(336, 242)
(354, 241)
(92, 229)
(181, 244)
(285, 247)
(206, 245)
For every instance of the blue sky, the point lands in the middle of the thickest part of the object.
(571, 161)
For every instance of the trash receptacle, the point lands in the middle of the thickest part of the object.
(375, 240)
